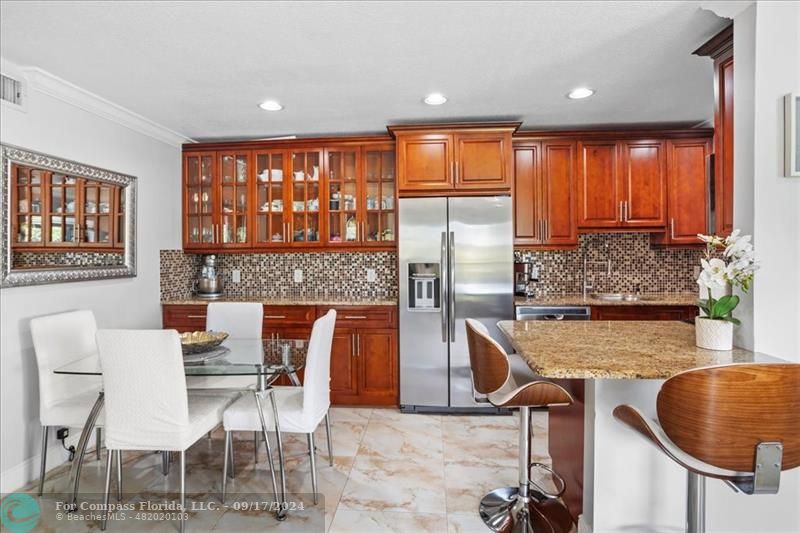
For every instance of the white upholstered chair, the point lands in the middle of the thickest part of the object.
(300, 409)
(240, 320)
(147, 405)
(64, 400)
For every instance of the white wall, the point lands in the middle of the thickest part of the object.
(64, 126)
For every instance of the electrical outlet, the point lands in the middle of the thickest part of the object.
(62, 433)
(298, 275)
(236, 276)
(372, 277)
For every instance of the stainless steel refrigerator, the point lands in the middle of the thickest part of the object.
(455, 260)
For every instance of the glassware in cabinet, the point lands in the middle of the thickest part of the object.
(199, 171)
(343, 196)
(305, 197)
(270, 199)
(27, 202)
(380, 195)
(234, 200)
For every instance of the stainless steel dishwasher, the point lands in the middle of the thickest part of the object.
(535, 312)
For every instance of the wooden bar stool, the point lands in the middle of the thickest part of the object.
(527, 508)
(739, 423)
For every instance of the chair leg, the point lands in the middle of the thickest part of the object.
(312, 454)
(183, 490)
(225, 464)
(255, 447)
(119, 475)
(43, 467)
(98, 441)
(695, 503)
(109, 455)
(328, 433)
(230, 451)
(165, 463)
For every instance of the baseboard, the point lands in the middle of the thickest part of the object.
(18, 476)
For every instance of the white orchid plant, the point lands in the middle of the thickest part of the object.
(735, 267)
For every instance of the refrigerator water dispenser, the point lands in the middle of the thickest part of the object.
(424, 287)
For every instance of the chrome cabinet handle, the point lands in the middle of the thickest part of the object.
(453, 169)
(546, 229)
(355, 317)
(364, 231)
(195, 316)
(456, 175)
(451, 255)
(620, 211)
(274, 316)
(443, 297)
(358, 344)
(672, 228)
(625, 211)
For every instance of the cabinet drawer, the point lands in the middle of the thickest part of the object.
(184, 317)
(283, 315)
(362, 316)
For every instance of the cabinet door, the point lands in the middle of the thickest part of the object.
(63, 203)
(271, 183)
(344, 366)
(305, 223)
(377, 355)
(723, 143)
(688, 194)
(644, 183)
(27, 205)
(234, 200)
(344, 196)
(425, 162)
(380, 224)
(199, 223)
(599, 187)
(96, 220)
(527, 194)
(482, 161)
(558, 193)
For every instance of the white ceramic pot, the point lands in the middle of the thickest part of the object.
(713, 334)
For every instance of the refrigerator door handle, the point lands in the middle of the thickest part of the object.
(451, 284)
(444, 296)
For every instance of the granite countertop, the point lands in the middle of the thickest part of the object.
(653, 298)
(286, 301)
(615, 349)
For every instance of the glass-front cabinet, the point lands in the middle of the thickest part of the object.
(306, 177)
(270, 199)
(28, 200)
(234, 200)
(96, 221)
(380, 200)
(200, 225)
(344, 198)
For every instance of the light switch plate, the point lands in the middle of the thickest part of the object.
(298, 275)
(236, 276)
(371, 275)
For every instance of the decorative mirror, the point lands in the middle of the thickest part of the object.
(64, 221)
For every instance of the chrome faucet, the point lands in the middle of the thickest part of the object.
(586, 286)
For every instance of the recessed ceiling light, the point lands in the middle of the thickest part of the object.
(270, 105)
(580, 92)
(435, 99)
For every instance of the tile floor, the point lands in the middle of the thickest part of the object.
(392, 472)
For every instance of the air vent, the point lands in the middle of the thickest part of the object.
(11, 90)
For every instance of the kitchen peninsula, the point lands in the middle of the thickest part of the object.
(608, 468)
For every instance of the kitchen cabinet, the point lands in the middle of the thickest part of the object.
(453, 159)
(278, 195)
(622, 184)
(687, 313)
(364, 355)
(544, 194)
(720, 49)
(688, 194)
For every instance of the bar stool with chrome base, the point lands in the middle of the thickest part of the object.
(739, 423)
(520, 509)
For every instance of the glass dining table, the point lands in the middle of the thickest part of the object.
(263, 359)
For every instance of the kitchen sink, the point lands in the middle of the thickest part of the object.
(619, 297)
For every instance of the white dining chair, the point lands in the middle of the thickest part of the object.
(240, 320)
(300, 409)
(64, 400)
(147, 405)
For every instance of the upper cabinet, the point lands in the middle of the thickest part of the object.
(282, 195)
(454, 159)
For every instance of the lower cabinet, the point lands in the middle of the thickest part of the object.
(687, 313)
(364, 364)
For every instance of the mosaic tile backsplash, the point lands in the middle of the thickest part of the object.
(343, 274)
(633, 264)
(66, 258)
(325, 274)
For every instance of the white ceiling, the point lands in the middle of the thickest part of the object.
(201, 68)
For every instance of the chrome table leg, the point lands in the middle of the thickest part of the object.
(77, 463)
(43, 468)
(119, 475)
(328, 433)
(98, 441)
(312, 452)
(109, 462)
(281, 513)
(225, 464)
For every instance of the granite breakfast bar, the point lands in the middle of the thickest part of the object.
(608, 468)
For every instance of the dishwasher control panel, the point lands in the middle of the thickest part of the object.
(535, 312)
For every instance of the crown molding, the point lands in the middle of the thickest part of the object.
(49, 84)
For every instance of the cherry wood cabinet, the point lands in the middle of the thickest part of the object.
(544, 194)
(364, 352)
(688, 192)
(332, 194)
(720, 49)
(644, 183)
(454, 159)
(599, 186)
(686, 313)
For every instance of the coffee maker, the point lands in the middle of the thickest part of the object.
(208, 285)
(523, 275)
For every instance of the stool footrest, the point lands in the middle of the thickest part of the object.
(562, 485)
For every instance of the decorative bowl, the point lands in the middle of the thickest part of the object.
(201, 341)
